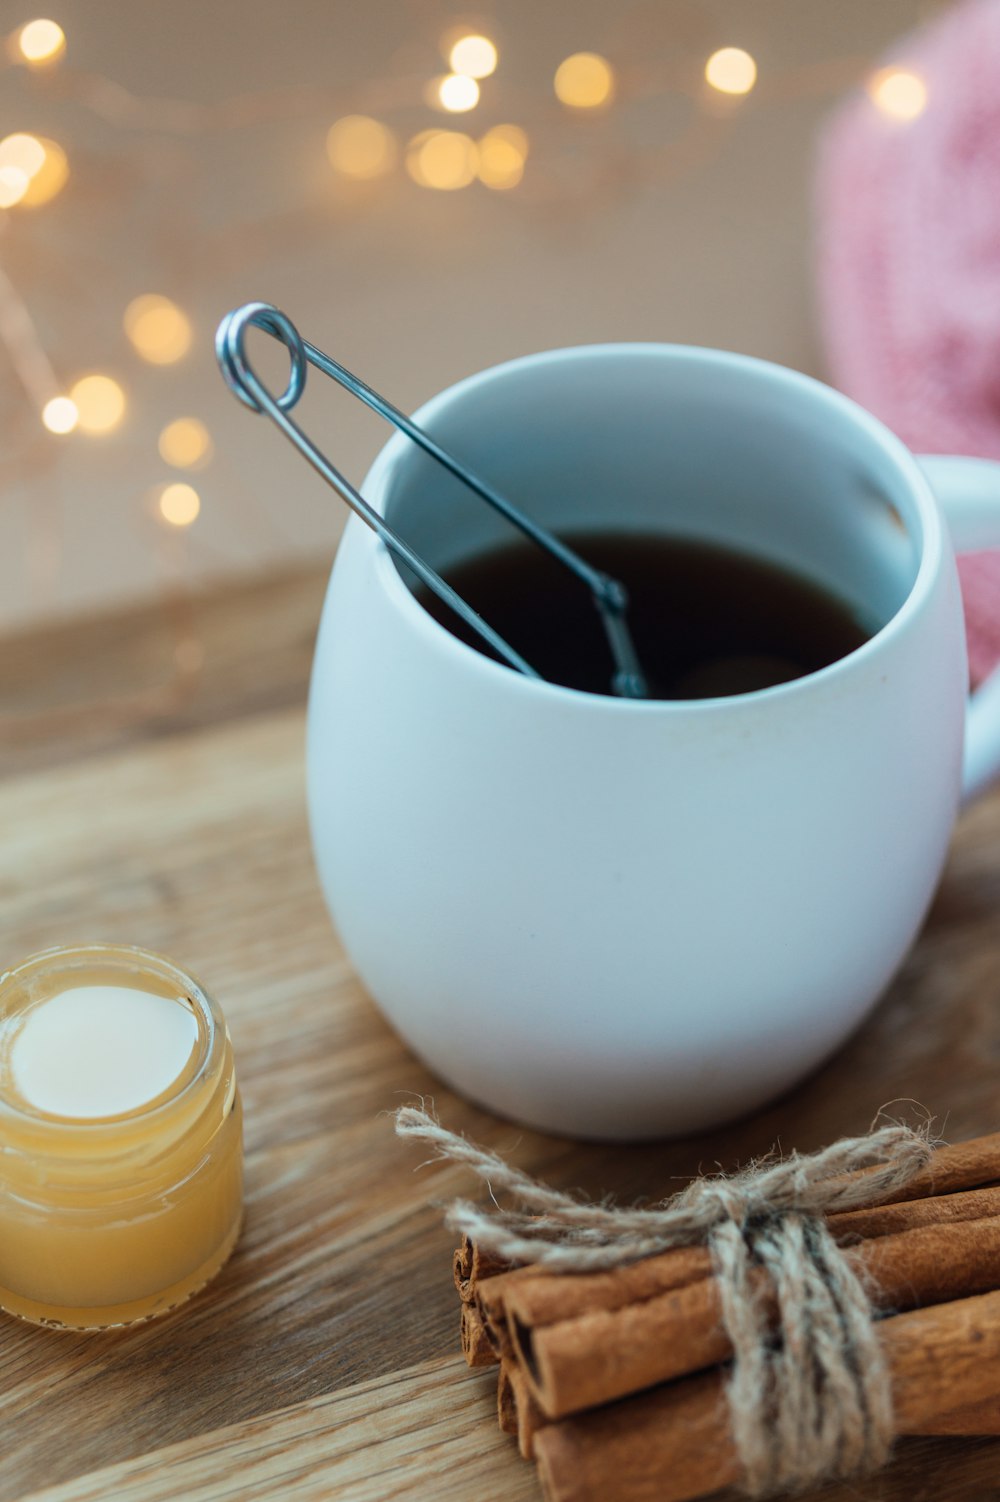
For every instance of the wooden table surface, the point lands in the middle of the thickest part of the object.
(323, 1363)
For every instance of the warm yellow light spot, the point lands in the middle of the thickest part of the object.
(179, 504)
(731, 71)
(514, 135)
(360, 147)
(456, 93)
(185, 443)
(502, 153)
(444, 159)
(14, 183)
(22, 151)
(42, 163)
(160, 332)
(475, 56)
(49, 177)
(898, 93)
(41, 41)
(60, 415)
(100, 403)
(584, 81)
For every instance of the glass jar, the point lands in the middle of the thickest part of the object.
(106, 1219)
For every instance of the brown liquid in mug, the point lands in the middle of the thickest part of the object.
(706, 620)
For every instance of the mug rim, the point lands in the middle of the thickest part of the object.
(394, 452)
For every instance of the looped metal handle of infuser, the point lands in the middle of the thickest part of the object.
(230, 346)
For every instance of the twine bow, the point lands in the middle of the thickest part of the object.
(809, 1397)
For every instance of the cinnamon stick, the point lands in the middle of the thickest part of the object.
(506, 1401)
(514, 1403)
(958, 1165)
(596, 1357)
(962, 1166)
(904, 1215)
(519, 1415)
(490, 1303)
(471, 1264)
(673, 1443)
(476, 1345)
(941, 1193)
(546, 1298)
(517, 1411)
(975, 1419)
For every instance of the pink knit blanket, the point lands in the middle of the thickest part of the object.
(908, 248)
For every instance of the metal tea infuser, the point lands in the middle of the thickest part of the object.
(608, 594)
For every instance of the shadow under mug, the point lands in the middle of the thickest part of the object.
(621, 919)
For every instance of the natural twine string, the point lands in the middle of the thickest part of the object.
(809, 1396)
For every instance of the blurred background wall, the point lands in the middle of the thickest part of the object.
(198, 169)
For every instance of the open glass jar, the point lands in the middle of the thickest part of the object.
(116, 1204)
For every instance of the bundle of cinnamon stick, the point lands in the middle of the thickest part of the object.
(613, 1381)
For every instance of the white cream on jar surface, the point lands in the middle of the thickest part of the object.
(98, 1050)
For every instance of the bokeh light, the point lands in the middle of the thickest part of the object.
(731, 71)
(41, 41)
(898, 93)
(51, 176)
(502, 154)
(475, 56)
(60, 414)
(179, 504)
(584, 81)
(159, 330)
(185, 443)
(43, 163)
(361, 147)
(456, 93)
(23, 151)
(14, 183)
(100, 403)
(443, 159)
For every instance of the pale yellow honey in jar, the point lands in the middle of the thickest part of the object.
(121, 1158)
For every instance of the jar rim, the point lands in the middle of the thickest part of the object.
(47, 1129)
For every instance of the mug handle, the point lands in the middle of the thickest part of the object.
(968, 491)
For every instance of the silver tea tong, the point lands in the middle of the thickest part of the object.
(608, 594)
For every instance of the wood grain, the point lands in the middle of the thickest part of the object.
(325, 1360)
(426, 1431)
(84, 686)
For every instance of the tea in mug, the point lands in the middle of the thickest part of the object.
(707, 620)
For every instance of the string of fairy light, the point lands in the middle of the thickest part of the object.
(360, 147)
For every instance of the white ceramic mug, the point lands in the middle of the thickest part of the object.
(620, 919)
